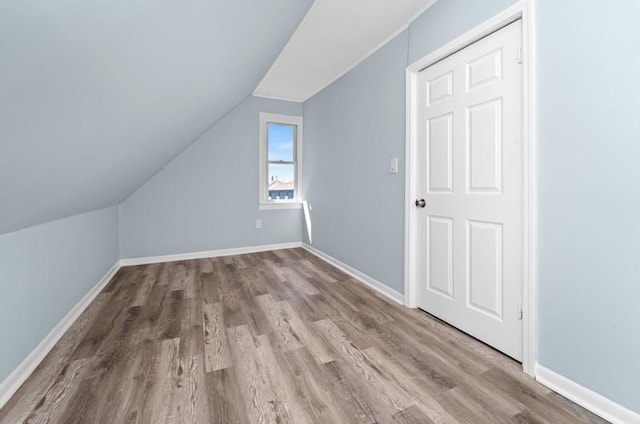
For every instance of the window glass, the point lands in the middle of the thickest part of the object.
(281, 183)
(281, 138)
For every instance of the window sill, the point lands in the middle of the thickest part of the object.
(280, 205)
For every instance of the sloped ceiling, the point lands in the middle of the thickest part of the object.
(333, 38)
(96, 96)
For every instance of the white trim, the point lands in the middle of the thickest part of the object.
(280, 205)
(266, 118)
(410, 242)
(594, 402)
(13, 382)
(207, 254)
(489, 26)
(530, 247)
(521, 10)
(362, 277)
(280, 99)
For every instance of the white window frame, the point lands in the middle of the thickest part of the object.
(264, 202)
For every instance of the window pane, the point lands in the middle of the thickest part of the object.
(281, 140)
(281, 182)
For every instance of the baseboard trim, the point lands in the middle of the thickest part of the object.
(588, 399)
(207, 254)
(364, 278)
(13, 382)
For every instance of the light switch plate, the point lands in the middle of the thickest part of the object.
(393, 165)
(258, 223)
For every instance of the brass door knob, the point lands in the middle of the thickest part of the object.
(421, 203)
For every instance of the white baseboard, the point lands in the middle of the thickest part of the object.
(207, 254)
(371, 282)
(12, 383)
(588, 399)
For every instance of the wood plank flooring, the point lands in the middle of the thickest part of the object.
(274, 337)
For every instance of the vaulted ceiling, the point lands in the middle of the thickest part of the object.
(96, 96)
(333, 38)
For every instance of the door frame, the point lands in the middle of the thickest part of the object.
(522, 10)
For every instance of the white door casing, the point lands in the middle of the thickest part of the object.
(470, 155)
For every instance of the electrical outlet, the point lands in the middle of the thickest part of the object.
(258, 223)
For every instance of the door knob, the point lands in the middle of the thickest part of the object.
(421, 203)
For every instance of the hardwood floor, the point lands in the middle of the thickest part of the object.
(274, 337)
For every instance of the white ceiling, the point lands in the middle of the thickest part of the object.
(333, 38)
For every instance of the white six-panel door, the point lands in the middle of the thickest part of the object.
(470, 240)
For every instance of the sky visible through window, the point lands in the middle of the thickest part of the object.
(281, 139)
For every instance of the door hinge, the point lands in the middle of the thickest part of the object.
(520, 54)
(520, 313)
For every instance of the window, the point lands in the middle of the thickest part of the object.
(280, 153)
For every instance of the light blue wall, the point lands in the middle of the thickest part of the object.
(588, 141)
(448, 19)
(44, 271)
(588, 132)
(207, 198)
(352, 129)
(95, 97)
(589, 189)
